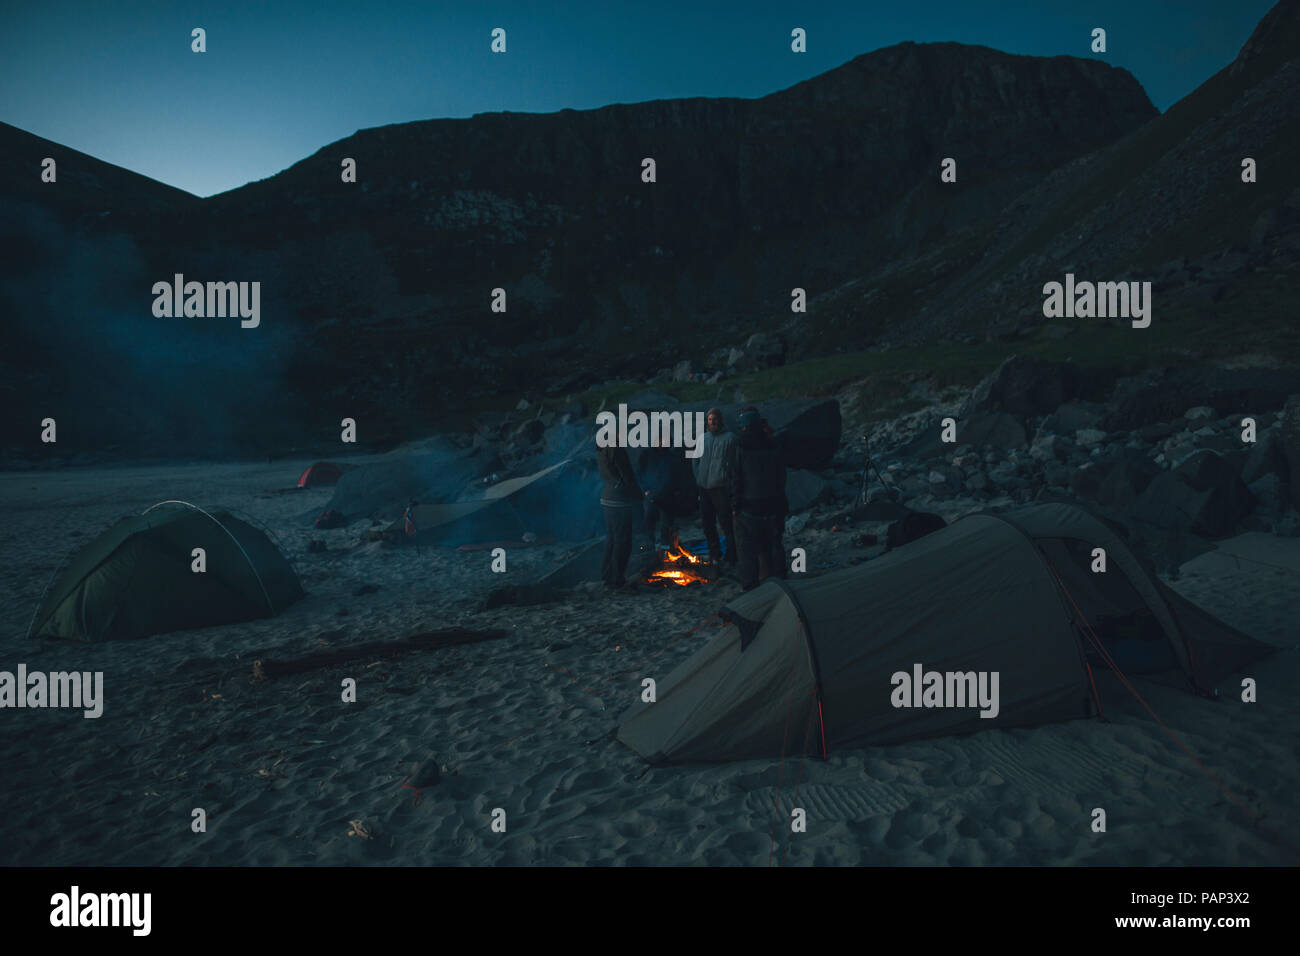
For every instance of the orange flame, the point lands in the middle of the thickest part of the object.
(682, 576)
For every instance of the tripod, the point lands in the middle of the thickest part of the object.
(868, 469)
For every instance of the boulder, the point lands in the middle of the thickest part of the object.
(762, 350)
(1058, 474)
(1025, 387)
(1085, 481)
(1169, 503)
(1267, 457)
(1202, 496)
(803, 489)
(1003, 471)
(1161, 395)
(808, 428)
(1208, 469)
(995, 429)
(999, 429)
(1123, 483)
(1290, 441)
(910, 527)
(1070, 417)
(1270, 493)
(1158, 430)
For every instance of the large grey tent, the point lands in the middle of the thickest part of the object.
(809, 666)
(138, 577)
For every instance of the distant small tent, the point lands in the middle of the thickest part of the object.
(322, 473)
(137, 578)
(807, 666)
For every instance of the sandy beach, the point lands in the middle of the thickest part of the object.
(289, 774)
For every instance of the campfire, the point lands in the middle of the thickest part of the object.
(681, 567)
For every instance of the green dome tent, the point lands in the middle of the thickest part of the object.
(809, 666)
(137, 578)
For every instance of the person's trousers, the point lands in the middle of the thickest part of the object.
(759, 548)
(620, 525)
(715, 509)
(660, 523)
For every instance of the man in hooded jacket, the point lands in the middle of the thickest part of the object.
(757, 483)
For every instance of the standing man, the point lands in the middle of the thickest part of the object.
(711, 475)
(620, 499)
(670, 493)
(758, 500)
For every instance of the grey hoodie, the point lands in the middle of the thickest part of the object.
(711, 467)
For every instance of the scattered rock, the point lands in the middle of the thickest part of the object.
(1288, 526)
(1267, 457)
(1071, 417)
(998, 429)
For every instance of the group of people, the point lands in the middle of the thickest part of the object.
(739, 486)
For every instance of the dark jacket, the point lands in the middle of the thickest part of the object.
(666, 477)
(757, 479)
(621, 487)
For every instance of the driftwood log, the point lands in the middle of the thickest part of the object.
(372, 651)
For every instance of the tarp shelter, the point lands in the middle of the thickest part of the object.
(807, 666)
(322, 473)
(556, 500)
(137, 578)
(436, 470)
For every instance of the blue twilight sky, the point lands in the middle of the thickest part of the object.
(116, 78)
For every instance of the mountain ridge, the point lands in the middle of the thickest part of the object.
(377, 293)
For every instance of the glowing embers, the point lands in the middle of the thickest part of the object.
(681, 567)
